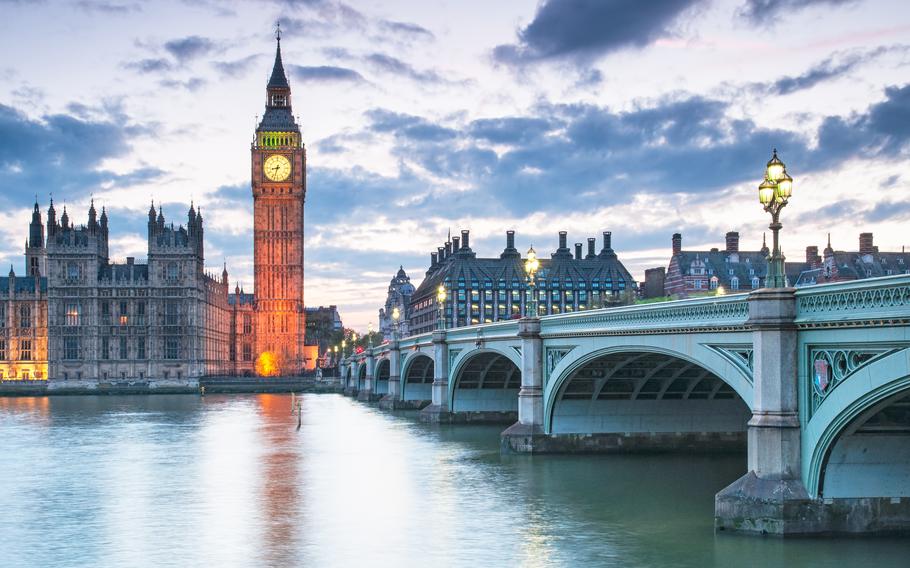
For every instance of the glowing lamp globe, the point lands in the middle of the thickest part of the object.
(766, 191)
(785, 186)
(775, 167)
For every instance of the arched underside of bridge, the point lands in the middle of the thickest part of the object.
(871, 456)
(361, 375)
(647, 401)
(417, 379)
(381, 377)
(485, 388)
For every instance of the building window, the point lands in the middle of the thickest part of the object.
(72, 271)
(105, 348)
(2, 349)
(734, 283)
(25, 350)
(755, 282)
(105, 313)
(232, 352)
(71, 348)
(73, 313)
(140, 348)
(247, 324)
(2, 315)
(247, 352)
(123, 354)
(124, 313)
(171, 347)
(170, 313)
(25, 316)
(140, 313)
(171, 273)
(713, 282)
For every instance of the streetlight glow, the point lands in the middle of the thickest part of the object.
(441, 296)
(531, 266)
(773, 193)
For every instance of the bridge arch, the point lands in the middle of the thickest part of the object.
(361, 375)
(485, 380)
(857, 443)
(417, 377)
(646, 389)
(381, 376)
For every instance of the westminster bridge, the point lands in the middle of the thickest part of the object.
(814, 383)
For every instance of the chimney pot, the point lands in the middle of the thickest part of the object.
(591, 244)
(562, 239)
(440, 254)
(510, 239)
(677, 243)
(456, 243)
(449, 248)
(465, 235)
(433, 259)
(733, 241)
(608, 238)
(130, 260)
(577, 251)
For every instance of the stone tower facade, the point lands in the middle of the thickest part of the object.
(279, 190)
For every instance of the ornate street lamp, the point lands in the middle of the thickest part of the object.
(395, 317)
(370, 334)
(343, 345)
(773, 193)
(440, 305)
(531, 266)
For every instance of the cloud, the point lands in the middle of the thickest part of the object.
(764, 11)
(192, 85)
(236, 68)
(584, 29)
(324, 73)
(111, 8)
(828, 69)
(406, 29)
(65, 152)
(396, 66)
(408, 127)
(509, 130)
(189, 48)
(150, 65)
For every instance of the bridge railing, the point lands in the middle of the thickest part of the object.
(698, 314)
(875, 301)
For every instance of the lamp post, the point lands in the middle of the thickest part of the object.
(441, 296)
(343, 345)
(773, 193)
(396, 314)
(531, 266)
(335, 359)
(370, 334)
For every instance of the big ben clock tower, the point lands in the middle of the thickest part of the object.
(279, 189)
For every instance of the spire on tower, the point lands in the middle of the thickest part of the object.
(278, 78)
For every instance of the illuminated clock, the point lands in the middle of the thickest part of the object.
(276, 167)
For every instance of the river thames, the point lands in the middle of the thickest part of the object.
(182, 480)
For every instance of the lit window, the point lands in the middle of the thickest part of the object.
(73, 313)
(25, 350)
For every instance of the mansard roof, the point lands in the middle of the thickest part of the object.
(24, 284)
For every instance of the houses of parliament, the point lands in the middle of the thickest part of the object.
(76, 315)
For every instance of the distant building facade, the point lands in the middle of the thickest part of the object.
(399, 295)
(484, 290)
(691, 272)
(840, 266)
(323, 325)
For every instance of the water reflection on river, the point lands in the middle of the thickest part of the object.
(229, 481)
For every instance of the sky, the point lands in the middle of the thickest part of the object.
(420, 117)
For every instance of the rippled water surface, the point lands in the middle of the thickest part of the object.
(230, 481)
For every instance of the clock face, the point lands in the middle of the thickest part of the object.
(276, 167)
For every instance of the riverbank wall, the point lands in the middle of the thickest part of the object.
(213, 385)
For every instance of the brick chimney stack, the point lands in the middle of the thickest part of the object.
(577, 251)
(812, 258)
(865, 244)
(677, 243)
(733, 241)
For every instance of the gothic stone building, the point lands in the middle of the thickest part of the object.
(77, 315)
(484, 290)
(400, 292)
